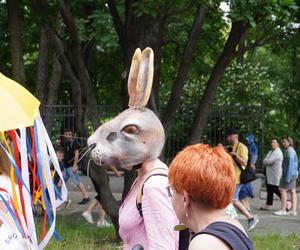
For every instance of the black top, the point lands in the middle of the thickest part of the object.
(231, 235)
(69, 149)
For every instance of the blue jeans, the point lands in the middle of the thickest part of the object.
(68, 173)
(237, 191)
(246, 191)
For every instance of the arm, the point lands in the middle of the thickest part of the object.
(115, 170)
(241, 156)
(76, 157)
(158, 214)
(241, 160)
(3, 210)
(272, 158)
(285, 167)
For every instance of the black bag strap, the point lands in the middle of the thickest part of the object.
(140, 194)
(236, 161)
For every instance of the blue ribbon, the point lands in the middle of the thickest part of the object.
(12, 161)
(38, 155)
(13, 215)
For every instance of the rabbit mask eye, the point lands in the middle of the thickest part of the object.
(131, 130)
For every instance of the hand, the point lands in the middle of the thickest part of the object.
(58, 142)
(118, 174)
(75, 168)
(233, 154)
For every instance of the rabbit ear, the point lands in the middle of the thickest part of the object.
(132, 78)
(145, 79)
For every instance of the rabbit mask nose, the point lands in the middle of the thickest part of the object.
(112, 137)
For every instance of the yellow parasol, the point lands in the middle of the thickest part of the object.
(18, 107)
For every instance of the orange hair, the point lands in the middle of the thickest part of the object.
(205, 173)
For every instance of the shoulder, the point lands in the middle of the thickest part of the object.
(242, 146)
(207, 242)
(4, 180)
(75, 144)
(156, 182)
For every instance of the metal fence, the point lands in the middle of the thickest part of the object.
(247, 118)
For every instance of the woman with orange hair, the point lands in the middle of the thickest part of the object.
(202, 184)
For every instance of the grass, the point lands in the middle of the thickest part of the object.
(76, 234)
(274, 241)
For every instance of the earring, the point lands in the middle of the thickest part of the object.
(186, 214)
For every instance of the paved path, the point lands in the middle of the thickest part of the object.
(268, 221)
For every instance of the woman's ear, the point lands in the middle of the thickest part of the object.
(186, 200)
(132, 78)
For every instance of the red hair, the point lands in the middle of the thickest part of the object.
(205, 173)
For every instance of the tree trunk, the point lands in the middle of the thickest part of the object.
(138, 32)
(78, 76)
(42, 68)
(184, 66)
(74, 82)
(241, 48)
(228, 53)
(53, 89)
(14, 25)
(79, 66)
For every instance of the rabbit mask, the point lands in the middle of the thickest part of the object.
(136, 135)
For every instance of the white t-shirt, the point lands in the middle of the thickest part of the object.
(10, 237)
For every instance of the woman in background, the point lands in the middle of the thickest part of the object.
(202, 184)
(289, 178)
(273, 165)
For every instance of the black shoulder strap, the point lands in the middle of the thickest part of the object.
(231, 235)
(140, 194)
(235, 160)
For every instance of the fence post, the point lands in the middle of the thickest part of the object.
(262, 125)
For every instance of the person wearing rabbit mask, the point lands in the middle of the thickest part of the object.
(136, 138)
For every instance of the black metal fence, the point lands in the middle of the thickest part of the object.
(247, 118)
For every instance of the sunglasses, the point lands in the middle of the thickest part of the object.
(170, 191)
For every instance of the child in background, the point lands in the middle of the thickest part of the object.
(56, 179)
(60, 157)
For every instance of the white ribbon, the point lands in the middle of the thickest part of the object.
(45, 146)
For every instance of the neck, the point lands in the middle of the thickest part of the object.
(200, 219)
(235, 142)
(147, 166)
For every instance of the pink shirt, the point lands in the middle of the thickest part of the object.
(155, 230)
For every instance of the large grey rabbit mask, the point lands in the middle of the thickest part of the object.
(136, 135)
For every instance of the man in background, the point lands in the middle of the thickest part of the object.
(71, 155)
(239, 154)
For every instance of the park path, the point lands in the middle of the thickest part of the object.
(268, 222)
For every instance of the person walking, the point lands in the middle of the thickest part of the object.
(239, 155)
(71, 156)
(247, 190)
(289, 178)
(273, 165)
(87, 214)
